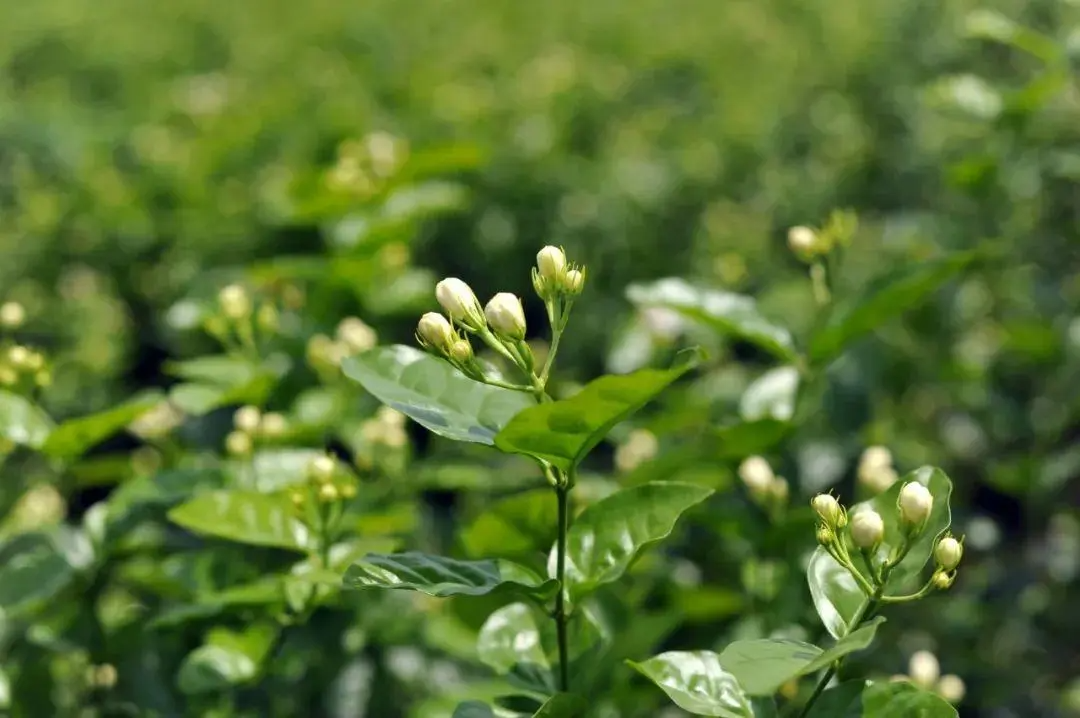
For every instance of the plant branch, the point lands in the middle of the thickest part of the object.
(562, 493)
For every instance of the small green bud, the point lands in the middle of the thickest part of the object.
(461, 351)
(435, 333)
(574, 282)
(942, 579)
(948, 552)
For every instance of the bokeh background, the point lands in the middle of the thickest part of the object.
(151, 152)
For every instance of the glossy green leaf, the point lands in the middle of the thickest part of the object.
(885, 298)
(244, 516)
(511, 637)
(762, 666)
(771, 396)
(608, 535)
(74, 437)
(563, 432)
(728, 313)
(514, 527)
(697, 683)
(442, 576)
(279, 468)
(33, 569)
(22, 421)
(563, 705)
(227, 659)
(862, 699)
(434, 394)
(836, 596)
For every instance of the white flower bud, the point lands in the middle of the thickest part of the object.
(574, 282)
(274, 425)
(951, 688)
(247, 419)
(234, 302)
(802, 241)
(328, 493)
(356, 335)
(238, 443)
(948, 552)
(876, 457)
(459, 301)
(551, 263)
(321, 469)
(435, 332)
(19, 356)
(867, 528)
(756, 474)
(461, 351)
(105, 676)
(12, 315)
(506, 316)
(924, 669)
(830, 511)
(915, 503)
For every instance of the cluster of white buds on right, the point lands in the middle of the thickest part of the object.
(23, 369)
(866, 530)
(765, 487)
(240, 321)
(875, 470)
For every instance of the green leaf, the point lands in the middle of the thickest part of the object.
(563, 705)
(245, 517)
(771, 396)
(220, 380)
(473, 709)
(886, 297)
(727, 313)
(608, 535)
(75, 436)
(434, 394)
(762, 666)
(227, 659)
(836, 596)
(22, 421)
(442, 576)
(737, 441)
(510, 637)
(32, 570)
(697, 683)
(514, 527)
(276, 469)
(563, 432)
(5, 690)
(859, 699)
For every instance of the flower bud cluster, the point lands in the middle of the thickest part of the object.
(23, 369)
(251, 425)
(765, 487)
(364, 166)
(327, 485)
(241, 321)
(808, 243)
(924, 670)
(876, 471)
(352, 336)
(553, 277)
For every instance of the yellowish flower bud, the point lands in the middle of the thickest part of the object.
(867, 528)
(830, 511)
(8, 377)
(948, 552)
(574, 282)
(356, 335)
(924, 669)
(803, 241)
(247, 419)
(298, 498)
(12, 315)
(825, 535)
(238, 443)
(105, 676)
(328, 493)
(459, 301)
(461, 351)
(43, 378)
(19, 356)
(506, 316)
(274, 425)
(348, 491)
(434, 332)
(551, 263)
(942, 579)
(322, 469)
(756, 474)
(915, 503)
(267, 318)
(234, 302)
(779, 489)
(951, 688)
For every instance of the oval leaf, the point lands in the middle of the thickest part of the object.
(886, 297)
(836, 596)
(563, 432)
(75, 436)
(213, 668)
(245, 517)
(697, 683)
(32, 570)
(728, 313)
(442, 576)
(563, 705)
(510, 638)
(606, 537)
(859, 699)
(762, 666)
(434, 394)
(22, 421)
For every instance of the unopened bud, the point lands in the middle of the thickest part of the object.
(19, 356)
(830, 511)
(924, 669)
(461, 351)
(915, 503)
(574, 282)
(825, 535)
(942, 579)
(328, 493)
(876, 470)
(951, 688)
(267, 318)
(756, 474)
(12, 315)
(434, 332)
(8, 377)
(234, 301)
(948, 552)
(274, 425)
(247, 419)
(348, 491)
(551, 263)
(779, 489)
(321, 469)
(803, 241)
(297, 498)
(459, 301)
(105, 676)
(506, 316)
(354, 333)
(238, 443)
(867, 528)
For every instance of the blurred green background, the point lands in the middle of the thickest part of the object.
(151, 152)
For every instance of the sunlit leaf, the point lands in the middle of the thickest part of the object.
(894, 699)
(771, 396)
(697, 683)
(244, 516)
(75, 436)
(442, 576)
(23, 422)
(32, 570)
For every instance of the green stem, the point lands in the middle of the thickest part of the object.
(866, 610)
(556, 336)
(507, 385)
(562, 493)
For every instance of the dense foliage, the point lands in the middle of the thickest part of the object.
(211, 211)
